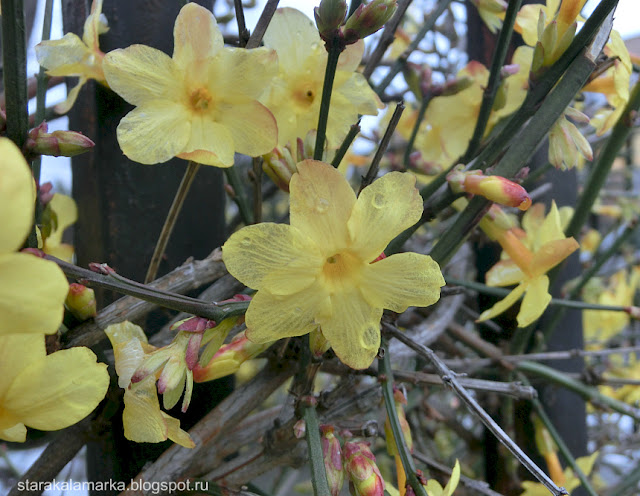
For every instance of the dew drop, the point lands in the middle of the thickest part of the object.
(322, 206)
(371, 337)
(245, 242)
(378, 200)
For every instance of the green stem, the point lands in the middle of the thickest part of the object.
(346, 143)
(41, 90)
(490, 91)
(535, 175)
(428, 25)
(239, 196)
(334, 48)
(416, 127)
(170, 221)
(312, 434)
(602, 166)
(588, 393)
(385, 376)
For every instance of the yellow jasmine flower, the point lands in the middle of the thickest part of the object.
(32, 290)
(60, 213)
(46, 392)
(201, 104)
(294, 96)
(491, 12)
(527, 267)
(72, 56)
(435, 489)
(563, 12)
(567, 146)
(602, 325)
(142, 418)
(318, 271)
(571, 480)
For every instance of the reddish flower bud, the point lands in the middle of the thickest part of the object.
(332, 455)
(494, 188)
(81, 301)
(57, 143)
(360, 464)
(280, 166)
(367, 19)
(329, 17)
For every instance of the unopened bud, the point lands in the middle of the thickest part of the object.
(494, 188)
(360, 464)
(81, 301)
(329, 16)
(280, 166)
(367, 19)
(509, 70)
(46, 193)
(57, 143)
(332, 455)
(193, 324)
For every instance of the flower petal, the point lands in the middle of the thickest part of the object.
(142, 419)
(176, 434)
(127, 341)
(271, 317)
(196, 37)
(59, 390)
(238, 74)
(384, 209)
(504, 273)
(321, 203)
(551, 227)
(552, 253)
(32, 294)
(353, 330)
(155, 132)
(63, 57)
(17, 352)
(252, 126)
(141, 74)
(15, 434)
(402, 280)
(504, 304)
(17, 201)
(273, 257)
(210, 143)
(64, 107)
(535, 301)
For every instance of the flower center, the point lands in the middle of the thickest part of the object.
(200, 99)
(341, 269)
(304, 95)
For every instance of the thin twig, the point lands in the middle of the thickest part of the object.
(239, 196)
(346, 143)
(382, 147)
(263, 23)
(170, 221)
(451, 378)
(334, 48)
(243, 32)
(426, 98)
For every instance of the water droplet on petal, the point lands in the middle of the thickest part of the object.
(371, 337)
(245, 242)
(378, 200)
(322, 206)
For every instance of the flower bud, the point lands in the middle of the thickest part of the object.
(300, 429)
(367, 19)
(332, 455)
(81, 301)
(360, 464)
(280, 166)
(57, 143)
(193, 324)
(329, 17)
(494, 188)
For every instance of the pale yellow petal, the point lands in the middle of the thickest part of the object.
(58, 390)
(353, 330)
(65, 213)
(504, 304)
(351, 56)
(535, 301)
(176, 434)
(384, 209)
(155, 132)
(127, 341)
(252, 126)
(63, 57)
(196, 37)
(94, 26)
(551, 227)
(272, 317)
(142, 419)
(17, 352)
(15, 434)
(237, 75)
(292, 34)
(321, 203)
(64, 107)
(32, 294)
(209, 143)
(552, 253)
(527, 22)
(141, 74)
(273, 257)
(504, 273)
(17, 200)
(402, 280)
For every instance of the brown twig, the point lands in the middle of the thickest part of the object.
(265, 18)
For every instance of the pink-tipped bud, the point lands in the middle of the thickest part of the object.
(193, 324)
(45, 191)
(101, 268)
(367, 19)
(57, 143)
(332, 455)
(329, 16)
(81, 301)
(494, 188)
(360, 464)
(280, 166)
(509, 70)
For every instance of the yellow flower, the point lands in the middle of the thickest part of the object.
(142, 418)
(318, 270)
(567, 146)
(294, 96)
(32, 290)
(201, 104)
(537, 489)
(435, 489)
(602, 325)
(60, 213)
(528, 265)
(491, 12)
(72, 56)
(46, 392)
